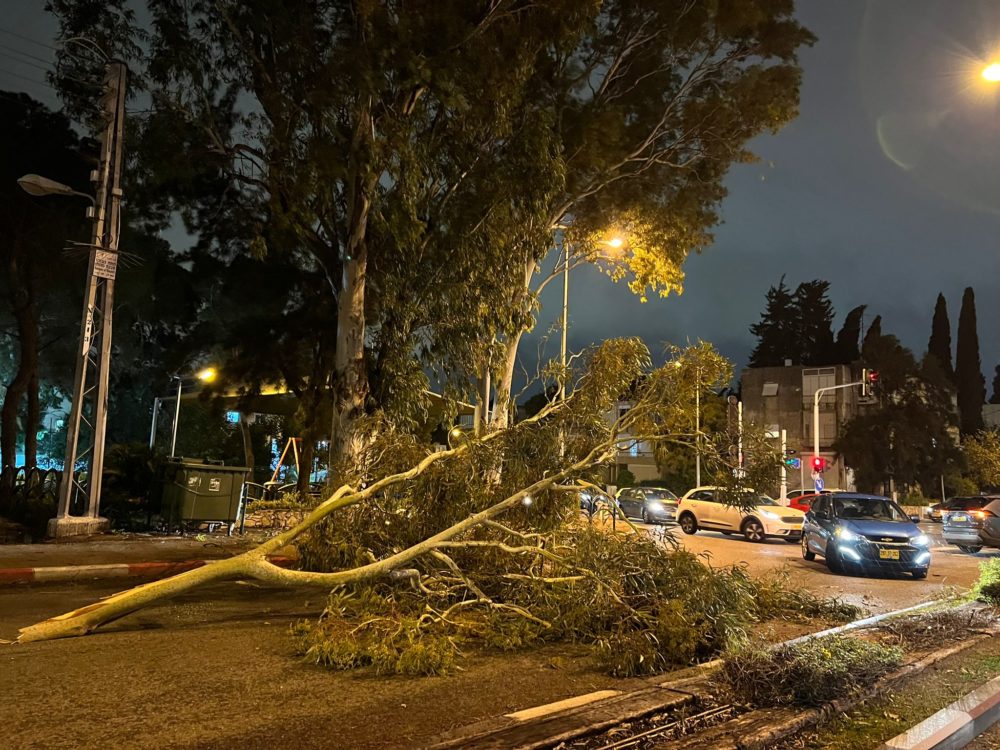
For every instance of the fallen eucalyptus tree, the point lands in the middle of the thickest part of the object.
(492, 525)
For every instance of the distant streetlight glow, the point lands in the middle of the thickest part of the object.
(991, 73)
(208, 375)
(616, 242)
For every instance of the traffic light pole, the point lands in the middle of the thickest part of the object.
(816, 397)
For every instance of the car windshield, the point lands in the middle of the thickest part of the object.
(660, 494)
(868, 508)
(758, 499)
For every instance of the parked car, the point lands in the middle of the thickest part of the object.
(853, 531)
(797, 494)
(803, 502)
(936, 511)
(648, 504)
(706, 508)
(591, 500)
(971, 523)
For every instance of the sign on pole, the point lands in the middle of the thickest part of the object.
(105, 264)
(818, 482)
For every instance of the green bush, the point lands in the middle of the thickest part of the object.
(987, 588)
(806, 674)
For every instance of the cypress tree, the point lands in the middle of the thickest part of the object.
(995, 398)
(777, 330)
(968, 369)
(815, 317)
(849, 336)
(871, 338)
(939, 345)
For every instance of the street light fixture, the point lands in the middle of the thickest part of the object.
(206, 375)
(35, 184)
(991, 73)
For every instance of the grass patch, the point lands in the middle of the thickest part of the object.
(806, 674)
(987, 588)
(915, 699)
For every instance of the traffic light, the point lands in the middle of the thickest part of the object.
(869, 382)
(818, 463)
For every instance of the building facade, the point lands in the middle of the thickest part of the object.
(781, 398)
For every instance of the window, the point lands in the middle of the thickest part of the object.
(819, 377)
(770, 389)
(820, 505)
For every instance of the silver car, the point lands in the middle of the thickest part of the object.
(972, 523)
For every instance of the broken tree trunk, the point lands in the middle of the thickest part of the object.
(254, 563)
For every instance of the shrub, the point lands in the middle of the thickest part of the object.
(987, 588)
(806, 674)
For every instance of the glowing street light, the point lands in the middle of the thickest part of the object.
(205, 375)
(991, 73)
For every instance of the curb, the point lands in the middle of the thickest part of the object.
(954, 726)
(55, 573)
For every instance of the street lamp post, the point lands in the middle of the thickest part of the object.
(88, 411)
(206, 375)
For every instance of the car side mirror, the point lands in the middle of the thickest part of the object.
(915, 519)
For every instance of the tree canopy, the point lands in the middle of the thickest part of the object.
(968, 368)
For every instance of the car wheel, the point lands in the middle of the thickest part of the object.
(807, 554)
(920, 574)
(688, 523)
(753, 530)
(970, 549)
(833, 561)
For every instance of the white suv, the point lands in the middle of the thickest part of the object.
(704, 508)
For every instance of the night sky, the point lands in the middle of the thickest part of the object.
(887, 185)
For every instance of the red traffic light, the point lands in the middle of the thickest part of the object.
(818, 463)
(873, 377)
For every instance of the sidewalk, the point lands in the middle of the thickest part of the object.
(120, 556)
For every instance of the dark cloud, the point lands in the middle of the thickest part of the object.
(825, 201)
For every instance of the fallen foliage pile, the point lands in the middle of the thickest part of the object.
(805, 674)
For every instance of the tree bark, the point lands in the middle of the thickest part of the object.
(32, 417)
(26, 376)
(350, 387)
(505, 379)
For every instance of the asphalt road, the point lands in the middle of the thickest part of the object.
(216, 668)
(949, 568)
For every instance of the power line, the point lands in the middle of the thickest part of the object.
(23, 62)
(26, 78)
(25, 54)
(27, 39)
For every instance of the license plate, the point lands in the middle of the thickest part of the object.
(958, 519)
(888, 554)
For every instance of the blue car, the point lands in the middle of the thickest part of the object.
(856, 532)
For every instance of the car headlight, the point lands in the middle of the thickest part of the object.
(654, 505)
(770, 514)
(846, 535)
(920, 540)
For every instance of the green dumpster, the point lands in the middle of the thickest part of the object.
(195, 490)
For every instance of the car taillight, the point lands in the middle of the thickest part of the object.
(983, 514)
